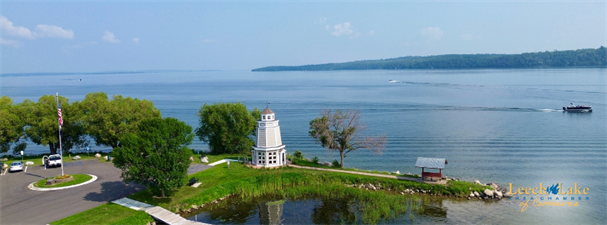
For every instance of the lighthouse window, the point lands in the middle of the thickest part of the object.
(264, 117)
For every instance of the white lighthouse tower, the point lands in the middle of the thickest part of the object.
(268, 150)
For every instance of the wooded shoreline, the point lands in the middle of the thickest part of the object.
(555, 59)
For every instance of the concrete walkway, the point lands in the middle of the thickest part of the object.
(135, 205)
(157, 212)
(195, 168)
(170, 218)
(223, 161)
(370, 174)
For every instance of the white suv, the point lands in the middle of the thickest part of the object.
(54, 160)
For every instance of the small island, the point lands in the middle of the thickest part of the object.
(555, 59)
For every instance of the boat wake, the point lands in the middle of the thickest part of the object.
(487, 109)
(550, 110)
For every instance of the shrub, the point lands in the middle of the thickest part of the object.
(289, 157)
(336, 163)
(298, 155)
(315, 159)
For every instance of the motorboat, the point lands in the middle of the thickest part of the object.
(577, 108)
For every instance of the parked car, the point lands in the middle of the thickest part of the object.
(54, 160)
(16, 166)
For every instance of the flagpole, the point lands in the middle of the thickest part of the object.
(60, 148)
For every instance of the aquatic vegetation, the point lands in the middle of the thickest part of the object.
(373, 206)
(337, 204)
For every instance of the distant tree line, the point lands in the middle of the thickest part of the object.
(555, 59)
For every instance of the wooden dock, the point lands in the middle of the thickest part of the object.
(170, 218)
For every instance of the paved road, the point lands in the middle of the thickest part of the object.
(19, 205)
(195, 168)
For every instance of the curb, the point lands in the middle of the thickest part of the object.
(93, 179)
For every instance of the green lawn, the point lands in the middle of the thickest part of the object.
(302, 162)
(78, 178)
(221, 181)
(217, 182)
(108, 213)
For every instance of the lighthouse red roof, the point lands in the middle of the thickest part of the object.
(267, 111)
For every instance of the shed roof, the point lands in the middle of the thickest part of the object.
(432, 163)
(267, 111)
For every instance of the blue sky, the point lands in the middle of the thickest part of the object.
(67, 36)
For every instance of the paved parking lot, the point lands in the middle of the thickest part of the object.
(19, 205)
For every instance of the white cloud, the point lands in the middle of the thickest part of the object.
(110, 38)
(431, 32)
(469, 37)
(43, 30)
(136, 40)
(342, 29)
(206, 40)
(8, 27)
(11, 43)
(371, 33)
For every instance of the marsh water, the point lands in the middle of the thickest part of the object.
(275, 210)
(501, 126)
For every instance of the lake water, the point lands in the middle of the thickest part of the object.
(502, 126)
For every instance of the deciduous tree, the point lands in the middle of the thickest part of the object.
(11, 126)
(227, 127)
(342, 131)
(107, 121)
(156, 155)
(42, 126)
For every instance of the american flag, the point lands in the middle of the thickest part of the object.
(60, 116)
